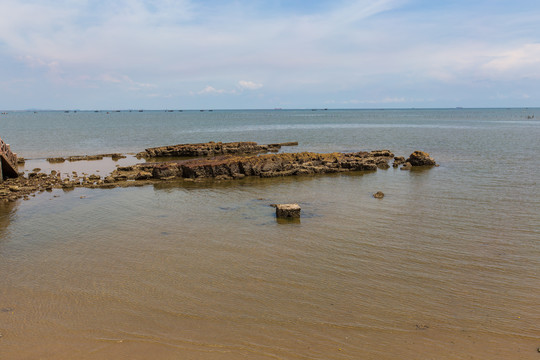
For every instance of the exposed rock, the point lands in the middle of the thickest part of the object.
(143, 175)
(288, 210)
(211, 149)
(406, 166)
(421, 158)
(398, 160)
(114, 156)
(382, 164)
(224, 167)
(383, 153)
(378, 195)
(272, 165)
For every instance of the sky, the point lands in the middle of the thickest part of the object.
(255, 54)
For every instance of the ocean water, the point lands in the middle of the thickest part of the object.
(446, 266)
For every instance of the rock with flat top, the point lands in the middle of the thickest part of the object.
(288, 210)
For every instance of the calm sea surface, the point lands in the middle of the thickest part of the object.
(446, 266)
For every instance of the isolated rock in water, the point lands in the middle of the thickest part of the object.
(288, 210)
(406, 166)
(378, 195)
(421, 158)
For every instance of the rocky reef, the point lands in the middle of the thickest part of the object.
(212, 149)
(224, 167)
(114, 157)
(270, 165)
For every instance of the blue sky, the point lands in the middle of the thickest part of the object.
(186, 54)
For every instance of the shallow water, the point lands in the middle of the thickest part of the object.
(446, 266)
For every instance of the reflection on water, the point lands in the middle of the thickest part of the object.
(7, 212)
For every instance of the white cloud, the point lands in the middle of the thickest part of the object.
(524, 60)
(249, 85)
(212, 90)
(180, 45)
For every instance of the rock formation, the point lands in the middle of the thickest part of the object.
(288, 210)
(421, 158)
(271, 165)
(212, 149)
(233, 163)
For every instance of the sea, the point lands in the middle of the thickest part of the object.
(445, 266)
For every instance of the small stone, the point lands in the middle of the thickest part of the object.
(378, 195)
(406, 166)
(288, 210)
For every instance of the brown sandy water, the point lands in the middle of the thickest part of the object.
(206, 272)
(446, 266)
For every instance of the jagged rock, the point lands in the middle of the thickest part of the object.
(398, 160)
(56, 160)
(421, 158)
(383, 153)
(271, 165)
(143, 175)
(211, 149)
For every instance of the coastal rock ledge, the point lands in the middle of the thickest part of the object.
(219, 168)
(270, 165)
(212, 149)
